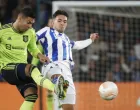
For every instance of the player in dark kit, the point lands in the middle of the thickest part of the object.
(15, 39)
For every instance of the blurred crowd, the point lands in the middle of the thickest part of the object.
(9, 10)
(115, 56)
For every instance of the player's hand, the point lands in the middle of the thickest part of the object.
(43, 58)
(94, 36)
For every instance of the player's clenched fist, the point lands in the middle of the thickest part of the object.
(43, 58)
(94, 36)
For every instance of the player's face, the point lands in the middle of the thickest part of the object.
(26, 23)
(60, 23)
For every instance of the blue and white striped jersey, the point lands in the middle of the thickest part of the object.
(57, 46)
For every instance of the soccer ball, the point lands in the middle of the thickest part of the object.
(108, 90)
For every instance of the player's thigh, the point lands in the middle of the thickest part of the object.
(9, 73)
(71, 92)
(58, 68)
(15, 73)
(69, 101)
(50, 70)
(66, 72)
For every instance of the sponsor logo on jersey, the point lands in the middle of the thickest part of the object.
(9, 47)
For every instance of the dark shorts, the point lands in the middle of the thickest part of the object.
(15, 74)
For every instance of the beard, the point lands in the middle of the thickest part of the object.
(61, 30)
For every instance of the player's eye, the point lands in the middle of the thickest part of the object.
(29, 22)
(65, 21)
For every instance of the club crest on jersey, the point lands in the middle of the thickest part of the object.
(25, 38)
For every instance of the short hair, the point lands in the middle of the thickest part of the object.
(27, 12)
(60, 12)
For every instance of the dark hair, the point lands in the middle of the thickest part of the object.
(60, 12)
(27, 12)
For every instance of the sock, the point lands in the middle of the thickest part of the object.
(49, 101)
(40, 80)
(27, 105)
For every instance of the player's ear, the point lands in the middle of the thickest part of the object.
(19, 17)
(52, 22)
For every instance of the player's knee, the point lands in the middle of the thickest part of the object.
(54, 71)
(29, 68)
(50, 94)
(30, 90)
(31, 97)
(30, 94)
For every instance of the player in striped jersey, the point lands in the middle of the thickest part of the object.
(15, 39)
(35, 61)
(58, 47)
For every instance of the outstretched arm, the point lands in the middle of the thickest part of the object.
(84, 43)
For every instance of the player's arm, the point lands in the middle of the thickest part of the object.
(35, 52)
(32, 47)
(84, 43)
(35, 61)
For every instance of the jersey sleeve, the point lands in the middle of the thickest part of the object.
(81, 44)
(32, 47)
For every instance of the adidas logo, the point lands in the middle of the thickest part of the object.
(9, 38)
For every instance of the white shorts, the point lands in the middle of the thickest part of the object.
(64, 70)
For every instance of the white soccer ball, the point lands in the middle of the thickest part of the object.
(108, 90)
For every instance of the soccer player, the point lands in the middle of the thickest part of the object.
(58, 47)
(15, 39)
(35, 61)
(49, 100)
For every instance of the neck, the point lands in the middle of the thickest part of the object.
(15, 26)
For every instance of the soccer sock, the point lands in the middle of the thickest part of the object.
(49, 101)
(40, 80)
(28, 104)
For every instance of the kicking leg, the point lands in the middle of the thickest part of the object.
(32, 71)
(55, 84)
(54, 73)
